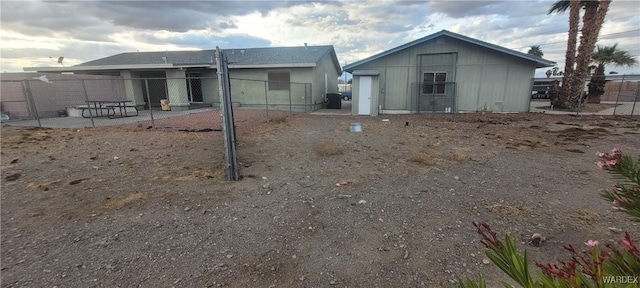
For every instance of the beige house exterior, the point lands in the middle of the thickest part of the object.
(299, 76)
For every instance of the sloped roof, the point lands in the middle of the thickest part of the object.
(145, 58)
(302, 56)
(540, 62)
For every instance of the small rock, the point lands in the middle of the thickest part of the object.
(264, 178)
(13, 177)
(486, 261)
(342, 196)
(406, 254)
(229, 256)
(362, 202)
(332, 282)
(615, 230)
(116, 157)
(187, 209)
(456, 177)
(536, 240)
(338, 184)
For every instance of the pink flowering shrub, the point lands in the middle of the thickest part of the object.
(593, 267)
(625, 194)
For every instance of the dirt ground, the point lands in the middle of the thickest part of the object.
(318, 205)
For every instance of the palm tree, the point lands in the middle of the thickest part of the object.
(561, 97)
(592, 20)
(535, 51)
(595, 12)
(605, 55)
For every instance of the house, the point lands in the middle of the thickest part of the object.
(288, 76)
(444, 72)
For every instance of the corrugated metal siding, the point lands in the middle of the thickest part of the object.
(491, 80)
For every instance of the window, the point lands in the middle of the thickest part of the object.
(434, 83)
(279, 80)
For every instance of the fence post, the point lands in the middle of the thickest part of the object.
(86, 98)
(311, 97)
(290, 84)
(305, 97)
(226, 112)
(146, 84)
(619, 91)
(266, 100)
(635, 100)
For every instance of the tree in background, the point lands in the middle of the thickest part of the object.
(577, 65)
(535, 51)
(561, 100)
(605, 55)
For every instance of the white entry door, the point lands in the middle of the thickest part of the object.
(364, 97)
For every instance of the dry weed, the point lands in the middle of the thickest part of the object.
(328, 149)
(278, 120)
(461, 154)
(422, 158)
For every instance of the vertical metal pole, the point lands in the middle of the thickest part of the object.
(305, 97)
(146, 84)
(86, 98)
(266, 100)
(619, 91)
(290, 84)
(226, 112)
(635, 99)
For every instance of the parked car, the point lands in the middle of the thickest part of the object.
(346, 96)
(540, 92)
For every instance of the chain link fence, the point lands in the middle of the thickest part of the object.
(55, 100)
(621, 92)
(625, 93)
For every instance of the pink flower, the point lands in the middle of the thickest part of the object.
(615, 151)
(616, 202)
(612, 162)
(601, 165)
(626, 243)
(601, 154)
(592, 243)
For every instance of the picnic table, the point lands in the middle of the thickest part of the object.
(112, 108)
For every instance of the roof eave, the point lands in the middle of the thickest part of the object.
(99, 67)
(281, 65)
(545, 64)
(540, 63)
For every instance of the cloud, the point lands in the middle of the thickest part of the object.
(460, 9)
(86, 30)
(227, 25)
(176, 16)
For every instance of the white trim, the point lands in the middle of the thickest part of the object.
(366, 73)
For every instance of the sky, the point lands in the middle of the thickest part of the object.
(35, 33)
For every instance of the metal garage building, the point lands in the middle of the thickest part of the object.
(444, 73)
